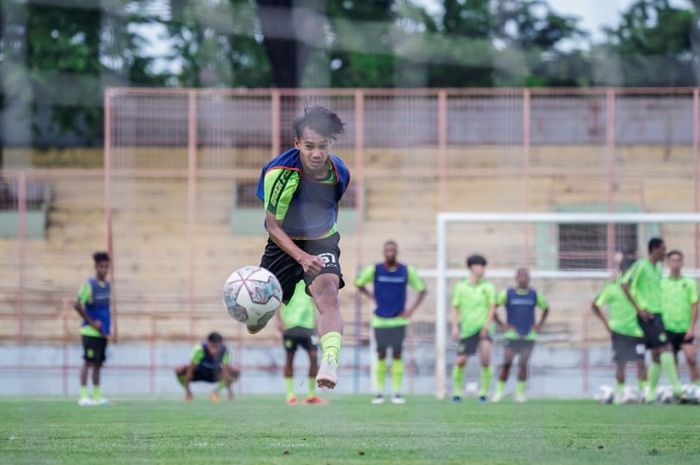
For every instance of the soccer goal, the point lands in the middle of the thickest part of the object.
(569, 255)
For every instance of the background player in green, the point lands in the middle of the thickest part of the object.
(626, 334)
(680, 315)
(390, 280)
(210, 362)
(93, 305)
(301, 189)
(520, 329)
(473, 303)
(642, 285)
(297, 323)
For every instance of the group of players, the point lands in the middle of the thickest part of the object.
(300, 190)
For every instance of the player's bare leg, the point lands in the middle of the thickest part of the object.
(503, 375)
(85, 400)
(485, 355)
(324, 290)
(523, 363)
(288, 373)
(311, 397)
(689, 350)
(229, 376)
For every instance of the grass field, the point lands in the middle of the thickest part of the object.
(264, 430)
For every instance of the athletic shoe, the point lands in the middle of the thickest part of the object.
(397, 399)
(292, 400)
(315, 400)
(327, 376)
(456, 399)
(520, 398)
(102, 401)
(86, 402)
(497, 397)
(214, 396)
(378, 399)
(483, 399)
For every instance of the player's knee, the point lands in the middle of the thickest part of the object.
(461, 361)
(396, 355)
(381, 355)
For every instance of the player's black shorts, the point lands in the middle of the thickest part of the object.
(94, 349)
(468, 345)
(519, 345)
(289, 272)
(300, 337)
(390, 338)
(677, 340)
(654, 333)
(206, 374)
(627, 348)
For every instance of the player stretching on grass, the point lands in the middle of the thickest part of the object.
(210, 362)
(297, 323)
(520, 330)
(93, 306)
(680, 315)
(642, 285)
(474, 303)
(626, 334)
(390, 280)
(300, 190)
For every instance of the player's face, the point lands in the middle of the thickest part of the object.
(102, 268)
(675, 263)
(390, 253)
(522, 278)
(477, 270)
(314, 150)
(213, 348)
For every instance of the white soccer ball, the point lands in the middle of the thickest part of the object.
(664, 394)
(252, 295)
(690, 394)
(630, 395)
(605, 394)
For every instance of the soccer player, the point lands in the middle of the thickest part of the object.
(300, 190)
(391, 316)
(210, 362)
(297, 323)
(642, 285)
(520, 329)
(93, 307)
(474, 304)
(680, 313)
(626, 334)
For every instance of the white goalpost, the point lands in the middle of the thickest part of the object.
(557, 246)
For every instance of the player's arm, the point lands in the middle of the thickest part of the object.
(365, 277)
(195, 359)
(543, 305)
(84, 296)
(694, 309)
(418, 285)
(596, 305)
(491, 315)
(627, 282)
(500, 300)
(278, 320)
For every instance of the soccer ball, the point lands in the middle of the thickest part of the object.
(252, 295)
(630, 395)
(690, 394)
(605, 394)
(664, 394)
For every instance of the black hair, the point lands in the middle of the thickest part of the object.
(321, 120)
(391, 242)
(655, 243)
(476, 260)
(100, 257)
(215, 338)
(675, 252)
(626, 263)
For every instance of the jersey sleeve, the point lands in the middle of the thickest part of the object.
(501, 298)
(365, 277)
(456, 294)
(227, 357)
(492, 297)
(197, 354)
(542, 303)
(693, 291)
(602, 298)
(279, 187)
(85, 293)
(415, 281)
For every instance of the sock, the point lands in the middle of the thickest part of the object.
(381, 375)
(96, 393)
(181, 379)
(397, 369)
(619, 387)
(83, 392)
(641, 385)
(457, 380)
(653, 376)
(311, 392)
(331, 342)
(520, 388)
(289, 387)
(500, 387)
(668, 365)
(485, 381)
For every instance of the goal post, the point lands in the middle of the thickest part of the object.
(556, 246)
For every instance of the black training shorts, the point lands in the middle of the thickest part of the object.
(654, 333)
(94, 349)
(300, 337)
(206, 374)
(289, 272)
(678, 340)
(469, 345)
(627, 348)
(390, 338)
(519, 345)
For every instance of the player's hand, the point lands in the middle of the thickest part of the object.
(455, 333)
(689, 335)
(507, 327)
(537, 328)
(312, 264)
(484, 333)
(644, 315)
(405, 314)
(97, 324)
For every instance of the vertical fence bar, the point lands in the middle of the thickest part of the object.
(152, 355)
(610, 156)
(22, 239)
(191, 201)
(441, 308)
(526, 169)
(696, 169)
(585, 356)
(442, 150)
(64, 368)
(359, 176)
(107, 208)
(275, 123)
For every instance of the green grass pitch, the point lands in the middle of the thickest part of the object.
(264, 430)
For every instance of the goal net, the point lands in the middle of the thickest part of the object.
(570, 257)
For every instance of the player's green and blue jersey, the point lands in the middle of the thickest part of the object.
(644, 281)
(679, 295)
(520, 307)
(623, 316)
(95, 296)
(473, 302)
(201, 356)
(307, 208)
(390, 291)
(300, 312)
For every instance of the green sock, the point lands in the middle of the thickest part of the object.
(83, 392)
(641, 384)
(96, 393)
(500, 387)
(619, 387)
(457, 380)
(311, 392)
(485, 381)
(181, 379)
(289, 387)
(653, 376)
(668, 365)
(520, 388)
(331, 342)
(397, 369)
(381, 375)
